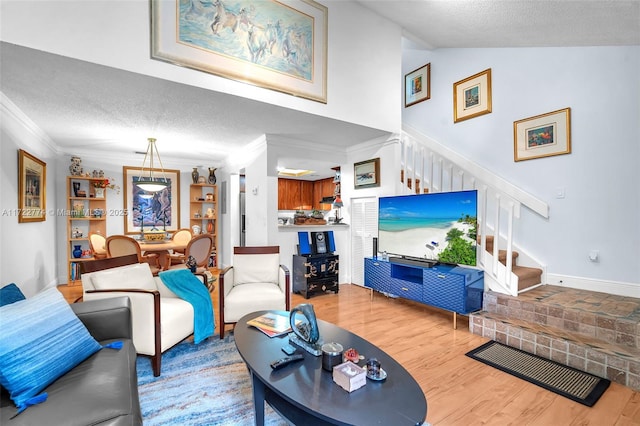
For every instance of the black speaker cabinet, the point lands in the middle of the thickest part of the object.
(375, 248)
(319, 242)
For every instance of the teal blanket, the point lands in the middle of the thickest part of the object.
(186, 286)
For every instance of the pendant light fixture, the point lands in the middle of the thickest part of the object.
(147, 182)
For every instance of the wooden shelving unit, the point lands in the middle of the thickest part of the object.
(203, 199)
(85, 215)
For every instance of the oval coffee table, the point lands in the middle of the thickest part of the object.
(305, 394)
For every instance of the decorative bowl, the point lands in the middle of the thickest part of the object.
(155, 235)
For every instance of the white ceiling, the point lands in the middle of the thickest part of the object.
(86, 107)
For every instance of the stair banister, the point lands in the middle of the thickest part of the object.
(430, 166)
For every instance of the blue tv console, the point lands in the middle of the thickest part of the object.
(454, 288)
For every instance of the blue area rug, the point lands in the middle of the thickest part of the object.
(204, 384)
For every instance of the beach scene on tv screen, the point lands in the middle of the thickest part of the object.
(439, 226)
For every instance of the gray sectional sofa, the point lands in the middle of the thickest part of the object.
(103, 389)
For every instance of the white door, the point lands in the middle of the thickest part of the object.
(364, 227)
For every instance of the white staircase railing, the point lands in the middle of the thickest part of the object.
(427, 166)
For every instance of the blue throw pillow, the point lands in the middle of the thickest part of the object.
(41, 339)
(10, 293)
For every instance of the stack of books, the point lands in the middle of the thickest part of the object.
(272, 324)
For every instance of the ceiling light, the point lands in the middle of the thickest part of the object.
(283, 171)
(147, 182)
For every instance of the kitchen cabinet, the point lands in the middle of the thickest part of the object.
(295, 194)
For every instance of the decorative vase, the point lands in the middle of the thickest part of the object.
(212, 175)
(77, 252)
(195, 229)
(195, 175)
(99, 192)
(76, 188)
(210, 226)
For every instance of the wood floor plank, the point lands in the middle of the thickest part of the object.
(459, 390)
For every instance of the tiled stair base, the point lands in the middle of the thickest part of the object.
(539, 328)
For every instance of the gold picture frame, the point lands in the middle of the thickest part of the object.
(32, 188)
(472, 96)
(417, 85)
(543, 135)
(366, 174)
(277, 45)
(161, 211)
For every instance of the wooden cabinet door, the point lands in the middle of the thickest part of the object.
(306, 195)
(283, 191)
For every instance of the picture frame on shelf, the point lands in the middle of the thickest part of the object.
(228, 40)
(161, 210)
(366, 174)
(543, 135)
(32, 188)
(472, 96)
(417, 85)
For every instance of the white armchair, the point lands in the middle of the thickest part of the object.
(255, 281)
(160, 318)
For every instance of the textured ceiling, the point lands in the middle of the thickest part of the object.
(85, 107)
(513, 23)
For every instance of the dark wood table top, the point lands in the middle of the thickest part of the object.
(398, 400)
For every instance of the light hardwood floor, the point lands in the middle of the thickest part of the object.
(459, 390)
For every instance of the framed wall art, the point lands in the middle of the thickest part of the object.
(543, 135)
(366, 174)
(278, 45)
(472, 96)
(160, 210)
(417, 85)
(32, 188)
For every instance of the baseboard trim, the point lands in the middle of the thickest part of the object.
(611, 287)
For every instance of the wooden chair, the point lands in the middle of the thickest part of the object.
(97, 244)
(181, 236)
(255, 281)
(122, 245)
(200, 248)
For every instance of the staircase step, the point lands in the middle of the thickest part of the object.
(527, 277)
(618, 363)
(591, 331)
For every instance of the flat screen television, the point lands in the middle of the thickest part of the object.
(433, 228)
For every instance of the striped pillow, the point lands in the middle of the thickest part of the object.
(41, 339)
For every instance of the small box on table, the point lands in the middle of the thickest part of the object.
(349, 376)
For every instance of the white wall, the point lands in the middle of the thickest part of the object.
(599, 177)
(27, 250)
(364, 53)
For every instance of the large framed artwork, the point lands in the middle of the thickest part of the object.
(472, 96)
(543, 135)
(160, 210)
(417, 85)
(366, 174)
(32, 188)
(278, 45)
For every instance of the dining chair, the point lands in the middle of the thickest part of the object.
(182, 237)
(122, 245)
(200, 248)
(97, 244)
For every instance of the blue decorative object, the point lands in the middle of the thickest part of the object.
(9, 294)
(41, 340)
(191, 263)
(77, 252)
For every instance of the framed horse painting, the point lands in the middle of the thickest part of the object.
(278, 45)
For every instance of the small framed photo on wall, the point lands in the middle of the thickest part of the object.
(32, 188)
(543, 135)
(472, 96)
(366, 174)
(417, 85)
